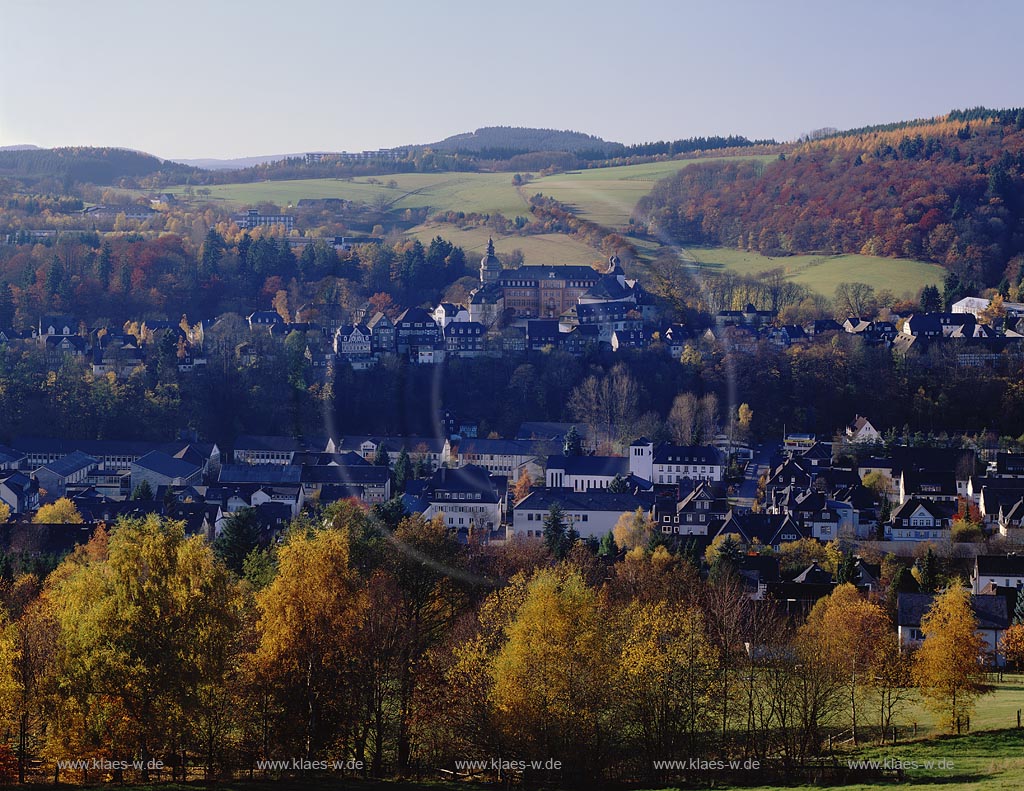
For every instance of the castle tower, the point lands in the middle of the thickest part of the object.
(490, 266)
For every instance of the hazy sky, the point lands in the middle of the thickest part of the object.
(210, 78)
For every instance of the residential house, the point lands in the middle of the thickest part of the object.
(466, 499)
(861, 430)
(920, 520)
(366, 482)
(464, 338)
(698, 512)
(990, 612)
(382, 334)
(416, 332)
(20, 492)
(264, 318)
(672, 463)
(1001, 570)
(446, 313)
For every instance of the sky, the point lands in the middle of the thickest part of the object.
(223, 78)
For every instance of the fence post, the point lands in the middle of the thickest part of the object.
(1018, 718)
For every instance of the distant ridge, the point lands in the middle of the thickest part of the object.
(523, 139)
(212, 163)
(28, 147)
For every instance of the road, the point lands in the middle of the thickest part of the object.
(757, 467)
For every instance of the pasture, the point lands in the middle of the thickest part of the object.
(822, 273)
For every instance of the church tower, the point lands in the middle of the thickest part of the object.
(490, 266)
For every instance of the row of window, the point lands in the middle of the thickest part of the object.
(539, 517)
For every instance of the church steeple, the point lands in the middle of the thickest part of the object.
(490, 266)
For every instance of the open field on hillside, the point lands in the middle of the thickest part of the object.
(604, 195)
(482, 192)
(608, 196)
(822, 273)
(549, 249)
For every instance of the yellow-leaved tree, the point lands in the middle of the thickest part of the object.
(59, 512)
(144, 622)
(843, 631)
(633, 529)
(947, 667)
(552, 689)
(308, 617)
(667, 677)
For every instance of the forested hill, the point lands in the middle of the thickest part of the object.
(948, 190)
(500, 142)
(101, 166)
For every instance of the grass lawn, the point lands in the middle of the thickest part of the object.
(608, 196)
(549, 249)
(822, 273)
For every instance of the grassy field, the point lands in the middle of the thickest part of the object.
(604, 195)
(608, 196)
(547, 249)
(481, 192)
(822, 273)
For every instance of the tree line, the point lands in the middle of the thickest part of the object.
(376, 639)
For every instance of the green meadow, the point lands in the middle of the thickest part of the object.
(822, 273)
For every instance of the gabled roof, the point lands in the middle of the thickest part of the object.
(687, 454)
(813, 574)
(1000, 565)
(937, 511)
(590, 500)
(168, 466)
(467, 479)
(358, 475)
(70, 464)
(414, 315)
(589, 465)
(990, 611)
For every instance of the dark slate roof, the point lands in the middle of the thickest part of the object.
(990, 611)
(590, 500)
(468, 479)
(608, 287)
(933, 483)
(507, 447)
(813, 574)
(70, 464)
(538, 273)
(687, 454)
(936, 510)
(43, 539)
(10, 455)
(1001, 565)
(414, 315)
(589, 465)
(271, 443)
(360, 475)
(260, 473)
(312, 458)
(168, 466)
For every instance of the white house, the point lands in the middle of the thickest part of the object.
(991, 613)
(673, 463)
(920, 520)
(1002, 570)
(861, 430)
